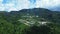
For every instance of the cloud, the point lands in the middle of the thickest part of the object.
(8, 5)
(1, 6)
(22, 4)
(47, 3)
(14, 5)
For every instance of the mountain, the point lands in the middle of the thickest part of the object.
(15, 22)
(41, 12)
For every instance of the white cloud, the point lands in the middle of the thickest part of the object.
(22, 4)
(47, 3)
(1, 1)
(9, 7)
(14, 5)
(25, 4)
(1, 6)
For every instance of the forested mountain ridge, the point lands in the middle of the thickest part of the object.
(41, 12)
(12, 22)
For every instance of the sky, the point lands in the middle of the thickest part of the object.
(16, 5)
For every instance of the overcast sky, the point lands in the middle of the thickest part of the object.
(8, 5)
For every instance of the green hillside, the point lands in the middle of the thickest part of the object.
(30, 21)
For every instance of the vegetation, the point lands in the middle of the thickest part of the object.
(30, 21)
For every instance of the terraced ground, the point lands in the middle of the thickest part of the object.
(30, 21)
